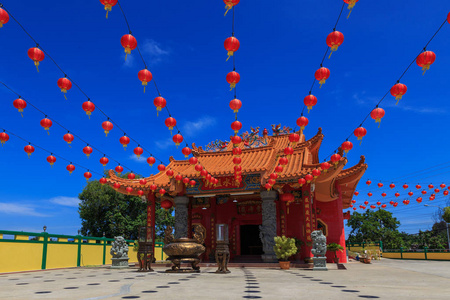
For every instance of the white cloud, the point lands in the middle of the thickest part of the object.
(20, 209)
(142, 159)
(154, 50)
(65, 201)
(164, 144)
(191, 128)
(129, 61)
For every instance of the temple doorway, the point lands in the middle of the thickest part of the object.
(250, 242)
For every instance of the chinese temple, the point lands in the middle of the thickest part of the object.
(253, 214)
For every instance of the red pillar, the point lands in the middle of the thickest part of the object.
(151, 216)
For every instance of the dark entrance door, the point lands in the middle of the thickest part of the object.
(250, 242)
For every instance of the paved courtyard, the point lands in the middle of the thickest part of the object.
(386, 279)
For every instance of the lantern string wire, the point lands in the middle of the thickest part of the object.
(75, 84)
(398, 80)
(51, 152)
(63, 127)
(145, 65)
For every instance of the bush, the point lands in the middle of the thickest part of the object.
(284, 247)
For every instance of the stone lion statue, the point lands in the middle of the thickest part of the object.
(319, 243)
(119, 248)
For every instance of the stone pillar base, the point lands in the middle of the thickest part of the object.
(120, 263)
(269, 258)
(320, 264)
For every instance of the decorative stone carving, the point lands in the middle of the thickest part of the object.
(319, 248)
(268, 229)
(181, 216)
(119, 252)
(222, 255)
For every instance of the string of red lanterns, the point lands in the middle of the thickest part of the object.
(37, 54)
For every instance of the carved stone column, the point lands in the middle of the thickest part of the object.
(268, 229)
(181, 216)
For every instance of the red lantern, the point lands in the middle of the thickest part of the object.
(354, 208)
(46, 123)
(170, 123)
(419, 199)
(128, 43)
(425, 60)
(236, 140)
(322, 75)
(229, 4)
(334, 40)
(368, 182)
(391, 202)
(351, 4)
(64, 84)
(108, 5)
(316, 173)
(131, 176)
(178, 178)
(192, 183)
(430, 186)
(87, 175)
(237, 160)
(198, 168)
(236, 126)
(353, 201)
(4, 17)
(442, 186)
(87, 150)
(325, 166)
(162, 192)
(432, 198)
(360, 132)
(283, 161)
(36, 55)
(273, 176)
(102, 180)
(294, 138)
(107, 127)
(302, 122)
(237, 169)
(373, 207)
(235, 105)
(301, 181)
(418, 186)
(151, 160)
(405, 186)
(395, 204)
(310, 101)
(237, 151)
(145, 76)
(436, 190)
(88, 107)
(153, 187)
(445, 193)
(278, 169)
(186, 151)
(424, 192)
(377, 114)
(406, 202)
(380, 184)
(383, 194)
(369, 194)
(231, 44)
(268, 186)
(366, 202)
(392, 185)
(138, 151)
(142, 181)
(193, 161)
(233, 78)
(203, 173)
(68, 137)
(356, 193)
(288, 151)
(124, 140)
(347, 146)
(160, 103)
(308, 178)
(161, 168)
(169, 173)
(20, 104)
(410, 194)
(129, 190)
(104, 161)
(51, 160)
(140, 193)
(398, 90)
(119, 169)
(271, 182)
(383, 206)
(177, 139)
(116, 186)
(4, 137)
(397, 194)
(335, 158)
(186, 181)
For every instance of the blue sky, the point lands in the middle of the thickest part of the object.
(282, 44)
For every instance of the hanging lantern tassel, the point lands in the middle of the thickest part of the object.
(287, 207)
(321, 82)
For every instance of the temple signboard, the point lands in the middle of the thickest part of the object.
(251, 182)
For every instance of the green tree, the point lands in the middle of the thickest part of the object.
(446, 215)
(372, 226)
(104, 210)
